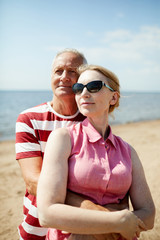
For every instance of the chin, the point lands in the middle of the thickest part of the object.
(63, 93)
(86, 113)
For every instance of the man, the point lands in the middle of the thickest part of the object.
(32, 130)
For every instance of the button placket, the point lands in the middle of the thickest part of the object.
(107, 168)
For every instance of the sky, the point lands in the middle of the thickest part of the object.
(121, 35)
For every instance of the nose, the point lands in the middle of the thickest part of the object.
(64, 76)
(85, 92)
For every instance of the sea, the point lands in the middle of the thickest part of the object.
(134, 107)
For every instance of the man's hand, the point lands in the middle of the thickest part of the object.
(78, 201)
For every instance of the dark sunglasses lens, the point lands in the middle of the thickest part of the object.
(94, 86)
(77, 88)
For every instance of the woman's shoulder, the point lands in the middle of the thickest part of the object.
(120, 141)
(59, 133)
(75, 128)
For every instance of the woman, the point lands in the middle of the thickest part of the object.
(88, 159)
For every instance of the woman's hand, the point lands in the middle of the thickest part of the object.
(130, 225)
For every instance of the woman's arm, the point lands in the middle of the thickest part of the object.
(140, 195)
(51, 196)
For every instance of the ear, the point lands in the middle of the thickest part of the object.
(114, 98)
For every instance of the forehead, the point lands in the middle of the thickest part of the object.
(91, 75)
(67, 60)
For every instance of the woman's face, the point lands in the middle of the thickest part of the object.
(95, 104)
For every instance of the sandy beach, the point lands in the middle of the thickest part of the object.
(143, 136)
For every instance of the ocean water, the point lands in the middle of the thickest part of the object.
(134, 107)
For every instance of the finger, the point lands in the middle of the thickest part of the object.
(64, 232)
(141, 225)
(138, 232)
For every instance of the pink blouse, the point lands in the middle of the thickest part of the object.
(99, 169)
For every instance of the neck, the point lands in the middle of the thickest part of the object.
(66, 107)
(101, 125)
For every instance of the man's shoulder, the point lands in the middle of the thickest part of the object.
(38, 108)
(38, 112)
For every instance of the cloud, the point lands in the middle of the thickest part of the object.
(146, 41)
(132, 55)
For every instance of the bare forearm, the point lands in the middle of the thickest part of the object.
(84, 221)
(79, 221)
(78, 201)
(31, 168)
(31, 185)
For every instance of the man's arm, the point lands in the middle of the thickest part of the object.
(31, 168)
(78, 201)
(123, 204)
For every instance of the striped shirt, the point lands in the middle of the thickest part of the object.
(33, 127)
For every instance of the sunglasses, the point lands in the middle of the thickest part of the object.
(92, 87)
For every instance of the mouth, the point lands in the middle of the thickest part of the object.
(87, 103)
(63, 86)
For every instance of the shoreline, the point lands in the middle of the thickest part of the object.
(112, 124)
(144, 136)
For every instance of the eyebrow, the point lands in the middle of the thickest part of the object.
(62, 66)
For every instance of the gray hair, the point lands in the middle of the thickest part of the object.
(72, 50)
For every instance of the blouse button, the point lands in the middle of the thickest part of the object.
(106, 146)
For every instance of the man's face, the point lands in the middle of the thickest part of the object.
(64, 74)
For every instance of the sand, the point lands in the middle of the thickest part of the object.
(143, 136)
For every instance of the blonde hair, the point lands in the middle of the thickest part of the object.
(112, 79)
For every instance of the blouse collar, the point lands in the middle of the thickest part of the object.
(94, 135)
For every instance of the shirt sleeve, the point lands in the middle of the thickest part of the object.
(27, 144)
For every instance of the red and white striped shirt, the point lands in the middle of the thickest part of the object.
(32, 130)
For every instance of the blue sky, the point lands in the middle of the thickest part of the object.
(121, 35)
